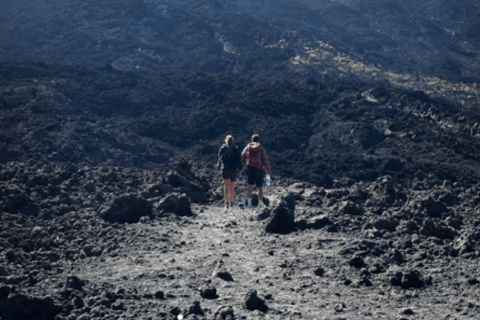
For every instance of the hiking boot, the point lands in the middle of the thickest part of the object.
(226, 207)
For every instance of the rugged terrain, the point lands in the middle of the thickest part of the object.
(111, 115)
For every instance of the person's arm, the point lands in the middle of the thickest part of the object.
(221, 153)
(243, 158)
(239, 161)
(265, 161)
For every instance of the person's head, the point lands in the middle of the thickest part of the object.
(256, 137)
(230, 142)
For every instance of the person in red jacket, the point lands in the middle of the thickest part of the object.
(255, 158)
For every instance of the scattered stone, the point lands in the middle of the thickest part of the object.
(252, 302)
(159, 295)
(209, 292)
(357, 262)
(408, 312)
(365, 282)
(319, 272)
(224, 313)
(176, 311)
(224, 275)
(194, 308)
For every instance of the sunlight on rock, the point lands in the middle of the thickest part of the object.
(332, 62)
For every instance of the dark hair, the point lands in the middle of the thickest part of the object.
(256, 137)
(230, 142)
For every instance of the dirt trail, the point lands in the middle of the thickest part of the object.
(181, 258)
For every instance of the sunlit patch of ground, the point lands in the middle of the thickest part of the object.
(327, 60)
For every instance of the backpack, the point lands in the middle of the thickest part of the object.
(254, 155)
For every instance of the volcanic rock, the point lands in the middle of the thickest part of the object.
(127, 208)
(281, 220)
(20, 306)
(386, 224)
(176, 203)
(224, 275)
(437, 229)
(350, 208)
(319, 272)
(209, 292)
(357, 262)
(252, 302)
(408, 279)
(432, 207)
(75, 282)
(111, 117)
(194, 308)
(224, 313)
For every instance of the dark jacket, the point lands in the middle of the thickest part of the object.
(231, 163)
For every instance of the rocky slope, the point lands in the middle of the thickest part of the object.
(111, 114)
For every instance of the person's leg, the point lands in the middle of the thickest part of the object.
(250, 191)
(232, 192)
(260, 194)
(233, 178)
(249, 194)
(252, 173)
(226, 184)
(259, 183)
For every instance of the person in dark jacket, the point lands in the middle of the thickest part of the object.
(231, 165)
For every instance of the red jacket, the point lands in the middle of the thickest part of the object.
(255, 156)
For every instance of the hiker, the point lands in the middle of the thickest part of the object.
(230, 164)
(255, 158)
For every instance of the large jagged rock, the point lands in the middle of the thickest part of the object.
(350, 208)
(127, 208)
(432, 207)
(386, 224)
(183, 178)
(21, 306)
(432, 228)
(408, 279)
(176, 203)
(282, 218)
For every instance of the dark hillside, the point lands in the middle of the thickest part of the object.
(314, 131)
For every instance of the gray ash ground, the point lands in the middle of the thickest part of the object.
(356, 250)
(111, 116)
